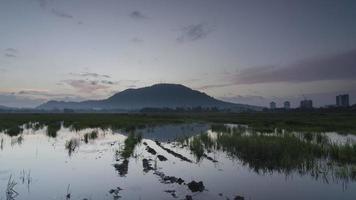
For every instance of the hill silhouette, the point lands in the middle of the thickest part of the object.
(155, 96)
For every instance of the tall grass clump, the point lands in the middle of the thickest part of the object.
(90, 136)
(130, 143)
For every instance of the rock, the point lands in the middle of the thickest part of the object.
(188, 197)
(150, 150)
(146, 165)
(172, 192)
(239, 198)
(122, 168)
(180, 181)
(161, 158)
(196, 186)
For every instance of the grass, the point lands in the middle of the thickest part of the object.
(90, 136)
(313, 121)
(282, 152)
(130, 143)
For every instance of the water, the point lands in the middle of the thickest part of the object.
(47, 168)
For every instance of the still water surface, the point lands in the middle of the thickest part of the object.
(46, 167)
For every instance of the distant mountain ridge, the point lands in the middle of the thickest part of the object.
(155, 96)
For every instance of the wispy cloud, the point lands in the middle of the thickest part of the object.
(136, 40)
(333, 67)
(43, 3)
(60, 13)
(137, 15)
(210, 86)
(9, 55)
(87, 86)
(194, 32)
(90, 74)
(10, 52)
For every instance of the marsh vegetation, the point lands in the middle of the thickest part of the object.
(206, 160)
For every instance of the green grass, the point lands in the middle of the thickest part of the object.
(280, 152)
(90, 136)
(130, 143)
(316, 121)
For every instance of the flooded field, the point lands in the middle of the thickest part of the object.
(175, 161)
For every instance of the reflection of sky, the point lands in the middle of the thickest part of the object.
(90, 173)
(75, 50)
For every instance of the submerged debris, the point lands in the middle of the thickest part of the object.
(161, 158)
(174, 153)
(196, 186)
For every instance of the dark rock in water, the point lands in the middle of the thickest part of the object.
(161, 158)
(180, 181)
(196, 186)
(144, 143)
(168, 179)
(188, 197)
(239, 198)
(115, 193)
(146, 165)
(122, 168)
(177, 155)
(150, 150)
(172, 192)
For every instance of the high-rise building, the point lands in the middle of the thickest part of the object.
(286, 105)
(272, 105)
(306, 104)
(342, 100)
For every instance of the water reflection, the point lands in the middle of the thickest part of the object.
(201, 161)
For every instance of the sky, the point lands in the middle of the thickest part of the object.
(240, 51)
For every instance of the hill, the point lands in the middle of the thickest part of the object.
(155, 96)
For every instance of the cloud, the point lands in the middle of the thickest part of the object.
(13, 100)
(90, 74)
(87, 86)
(9, 55)
(43, 3)
(194, 32)
(44, 94)
(137, 15)
(10, 52)
(136, 40)
(333, 67)
(60, 13)
(210, 86)
(30, 98)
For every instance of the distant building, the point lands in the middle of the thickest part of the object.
(272, 105)
(286, 105)
(342, 100)
(306, 104)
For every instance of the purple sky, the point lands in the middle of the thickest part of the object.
(241, 51)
